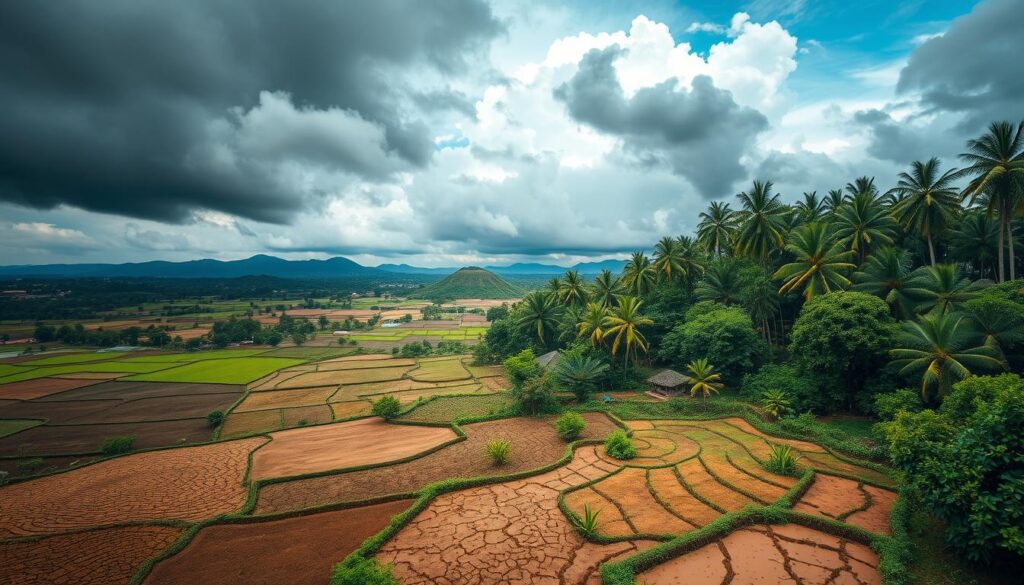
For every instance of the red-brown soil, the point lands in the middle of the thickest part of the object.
(285, 398)
(29, 389)
(187, 484)
(137, 390)
(701, 482)
(49, 464)
(98, 557)
(341, 445)
(771, 554)
(849, 501)
(343, 364)
(87, 438)
(162, 408)
(350, 409)
(534, 444)
(244, 423)
(297, 551)
(511, 533)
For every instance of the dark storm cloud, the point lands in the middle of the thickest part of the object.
(154, 109)
(897, 142)
(701, 133)
(975, 68)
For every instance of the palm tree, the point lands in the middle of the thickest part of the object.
(928, 202)
(762, 301)
(638, 276)
(973, 241)
(717, 228)
(592, 322)
(999, 322)
(775, 402)
(834, 200)
(704, 380)
(819, 265)
(691, 257)
(942, 287)
(540, 315)
(667, 261)
(862, 186)
(996, 165)
(555, 286)
(573, 290)
(578, 373)
(623, 325)
(721, 282)
(885, 275)
(943, 349)
(606, 286)
(811, 208)
(761, 230)
(862, 222)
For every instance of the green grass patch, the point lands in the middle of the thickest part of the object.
(221, 371)
(196, 356)
(309, 353)
(446, 409)
(31, 373)
(11, 426)
(73, 358)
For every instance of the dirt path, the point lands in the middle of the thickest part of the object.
(849, 501)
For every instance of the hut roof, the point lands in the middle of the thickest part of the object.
(668, 379)
(547, 359)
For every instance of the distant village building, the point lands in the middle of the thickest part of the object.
(669, 382)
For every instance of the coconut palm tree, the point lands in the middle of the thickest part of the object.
(704, 380)
(541, 312)
(691, 257)
(573, 289)
(834, 200)
(579, 373)
(667, 259)
(862, 186)
(974, 241)
(721, 282)
(606, 286)
(555, 286)
(592, 322)
(819, 265)
(639, 276)
(623, 326)
(885, 275)
(928, 202)
(862, 222)
(943, 349)
(761, 231)
(762, 302)
(717, 228)
(810, 208)
(996, 166)
(942, 287)
(1000, 324)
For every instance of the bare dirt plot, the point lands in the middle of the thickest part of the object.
(666, 487)
(702, 483)
(771, 554)
(849, 501)
(98, 557)
(344, 377)
(534, 444)
(16, 468)
(57, 412)
(87, 438)
(299, 551)
(626, 491)
(486, 371)
(350, 409)
(136, 390)
(187, 484)
(306, 415)
(509, 533)
(245, 423)
(441, 370)
(355, 391)
(285, 398)
(161, 408)
(496, 383)
(333, 365)
(40, 387)
(341, 445)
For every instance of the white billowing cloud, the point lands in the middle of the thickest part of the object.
(706, 27)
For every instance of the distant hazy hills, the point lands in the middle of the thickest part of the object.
(471, 282)
(263, 265)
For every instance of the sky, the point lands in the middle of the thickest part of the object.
(454, 132)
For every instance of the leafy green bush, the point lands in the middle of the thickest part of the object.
(536, 396)
(725, 336)
(619, 446)
(966, 463)
(888, 404)
(801, 391)
(362, 571)
(570, 425)
(498, 451)
(522, 367)
(781, 460)
(118, 445)
(214, 419)
(775, 402)
(387, 407)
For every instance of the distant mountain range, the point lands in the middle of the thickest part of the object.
(263, 265)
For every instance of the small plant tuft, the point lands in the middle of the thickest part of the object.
(387, 407)
(775, 403)
(498, 450)
(619, 446)
(570, 425)
(214, 419)
(118, 445)
(781, 460)
(588, 523)
(28, 465)
(362, 571)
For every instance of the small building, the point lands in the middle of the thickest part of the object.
(669, 382)
(547, 360)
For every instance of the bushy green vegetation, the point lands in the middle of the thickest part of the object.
(570, 425)
(118, 445)
(723, 335)
(362, 571)
(222, 371)
(470, 282)
(387, 407)
(619, 445)
(801, 391)
(498, 451)
(214, 419)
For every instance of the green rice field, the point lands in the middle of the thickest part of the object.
(219, 371)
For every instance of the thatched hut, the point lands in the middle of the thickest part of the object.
(669, 382)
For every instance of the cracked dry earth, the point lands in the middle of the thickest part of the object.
(511, 533)
(780, 554)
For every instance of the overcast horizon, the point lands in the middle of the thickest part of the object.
(464, 132)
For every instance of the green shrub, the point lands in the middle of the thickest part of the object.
(498, 451)
(29, 465)
(570, 425)
(362, 571)
(588, 523)
(725, 336)
(522, 367)
(619, 446)
(889, 403)
(387, 407)
(966, 464)
(214, 419)
(775, 402)
(118, 445)
(781, 460)
(536, 396)
(801, 391)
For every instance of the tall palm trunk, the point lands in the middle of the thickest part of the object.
(931, 249)
(1002, 228)
(1009, 244)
